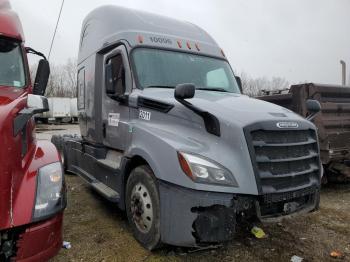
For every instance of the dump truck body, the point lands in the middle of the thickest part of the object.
(185, 161)
(333, 123)
(30, 228)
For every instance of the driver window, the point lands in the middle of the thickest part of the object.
(118, 72)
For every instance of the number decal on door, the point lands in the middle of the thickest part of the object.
(145, 115)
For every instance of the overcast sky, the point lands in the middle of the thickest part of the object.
(300, 40)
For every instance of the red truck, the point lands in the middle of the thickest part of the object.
(32, 189)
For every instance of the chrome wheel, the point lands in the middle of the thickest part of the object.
(141, 208)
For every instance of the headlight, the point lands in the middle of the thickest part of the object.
(50, 192)
(202, 170)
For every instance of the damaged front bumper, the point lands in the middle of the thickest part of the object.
(195, 218)
(36, 242)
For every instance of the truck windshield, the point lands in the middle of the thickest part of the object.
(161, 68)
(11, 64)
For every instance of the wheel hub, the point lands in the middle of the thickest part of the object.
(141, 208)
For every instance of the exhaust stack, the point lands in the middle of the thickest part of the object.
(343, 64)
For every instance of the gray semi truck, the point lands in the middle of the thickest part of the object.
(167, 135)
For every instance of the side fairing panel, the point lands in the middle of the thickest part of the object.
(89, 101)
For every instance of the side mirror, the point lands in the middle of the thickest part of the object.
(184, 91)
(115, 84)
(41, 78)
(314, 107)
(37, 104)
(239, 82)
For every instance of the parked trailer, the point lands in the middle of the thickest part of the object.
(73, 110)
(333, 122)
(62, 109)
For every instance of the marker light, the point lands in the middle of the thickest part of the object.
(222, 52)
(179, 43)
(184, 165)
(197, 46)
(188, 45)
(140, 39)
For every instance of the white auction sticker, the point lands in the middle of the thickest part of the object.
(113, 119)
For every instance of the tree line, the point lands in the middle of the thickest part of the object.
(256, 86)
(63, 81)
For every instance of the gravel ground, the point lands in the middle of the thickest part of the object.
(98, 231)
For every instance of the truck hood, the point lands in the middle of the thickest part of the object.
(10, 151)
(237, 115)
(227, 107)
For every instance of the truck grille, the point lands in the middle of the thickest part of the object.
(285, 160)
(272, 205)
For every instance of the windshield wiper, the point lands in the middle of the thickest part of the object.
(213, 89)
(161, 86)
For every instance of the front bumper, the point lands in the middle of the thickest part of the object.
(40, 241)
(194, 218)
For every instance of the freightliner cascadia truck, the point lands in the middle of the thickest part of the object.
(32, 192)
(167, 135)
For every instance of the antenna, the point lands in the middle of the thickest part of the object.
(54, 34)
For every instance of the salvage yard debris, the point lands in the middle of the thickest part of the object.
(66, 245)
(336, 254)
(296, 259)
(258, 232)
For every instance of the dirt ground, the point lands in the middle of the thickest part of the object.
(98, 231)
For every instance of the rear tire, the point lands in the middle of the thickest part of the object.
(59, 141)
(142, 207)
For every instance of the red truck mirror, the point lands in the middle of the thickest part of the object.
(37, 104)
(41, 78)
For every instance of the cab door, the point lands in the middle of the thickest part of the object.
(115, 110)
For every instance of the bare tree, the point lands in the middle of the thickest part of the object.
(256, 86)
(70, 73)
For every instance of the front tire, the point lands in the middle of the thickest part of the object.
(142, 207)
